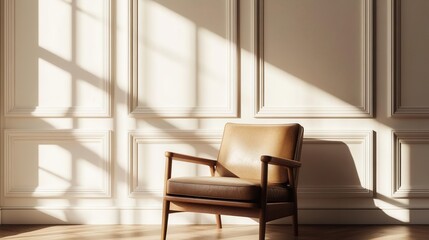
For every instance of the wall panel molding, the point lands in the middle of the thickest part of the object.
(357, 162)
(9, 57)
(32, 153)
(410, 179)
(12, 109)
(137, 105)
(360, 110)
(399, 107)
(140, 138)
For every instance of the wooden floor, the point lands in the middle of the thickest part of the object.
(207, 232)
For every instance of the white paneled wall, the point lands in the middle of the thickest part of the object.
(47, 47)
(410, 56)
(94, 92)
(309, 47)
(57, 164)
(146, 146)
(174, 46)
(409, 176)
(325, 153)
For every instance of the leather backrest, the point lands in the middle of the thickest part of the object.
(243, 144)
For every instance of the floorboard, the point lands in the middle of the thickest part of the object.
(208, 232)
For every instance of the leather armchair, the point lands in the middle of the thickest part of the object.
(255, 175)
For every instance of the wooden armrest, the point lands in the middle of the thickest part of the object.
(280, 161)
(191, 159)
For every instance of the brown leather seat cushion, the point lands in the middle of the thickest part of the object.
(225, 188)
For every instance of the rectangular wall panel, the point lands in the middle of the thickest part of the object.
(410, 57)
(313, 61)
(184, 58)
(57, 164)
(147, 156)
(410, 175)
(57, 58)
(337, 164)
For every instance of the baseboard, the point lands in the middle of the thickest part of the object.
(145, 216)
(364, 216)
(107, 216)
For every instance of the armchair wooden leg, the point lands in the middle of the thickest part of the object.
(165, 212)
(262, 224)
(262, 228)
(295, 224)
(218, 221)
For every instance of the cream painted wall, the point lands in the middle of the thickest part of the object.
(94, 92)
